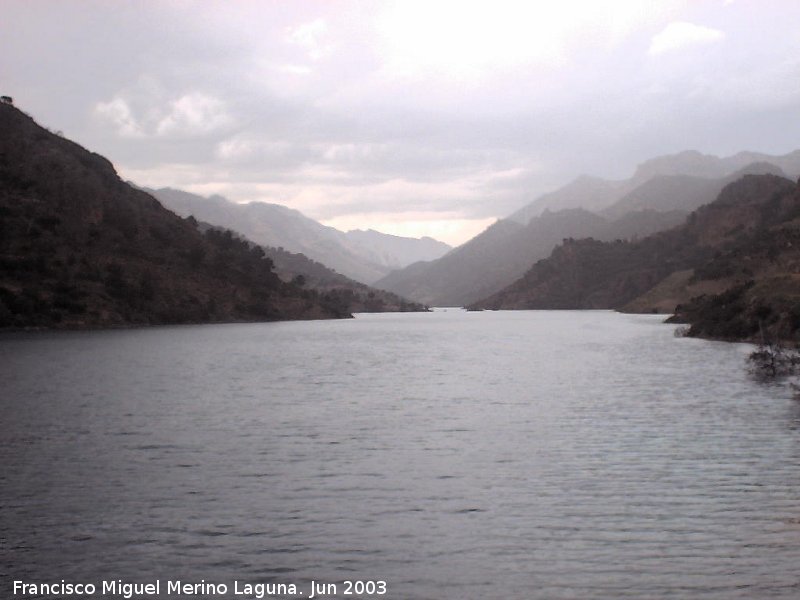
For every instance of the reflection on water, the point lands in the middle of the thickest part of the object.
(451, 454)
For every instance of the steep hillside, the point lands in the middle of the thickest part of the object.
(639, 224)
(338, 290)
(738, 257)
(586, 274)
(489, 261)
(503, 252)
(658, 197)
(443, 282)
(81, 248)
(363, 256)
(667, 192)
(751, 289)
(334, 288)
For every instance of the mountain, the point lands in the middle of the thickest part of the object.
(731, 271)
(656, 198)
(81, 248)
(708, 166)
(588, 193)
(504, 251)
(363, 256)
(673, 175)
(334, 288)
(274, 225)
(681, 192)
(446, 281)
(688, 162)
(394, 251)
(338, 290)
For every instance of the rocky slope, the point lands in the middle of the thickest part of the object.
(81, 248)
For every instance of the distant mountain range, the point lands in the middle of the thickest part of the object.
(365, 256)
(691, 162)
(681, 192)
(732, 270)
(655, 199)
(691, 168)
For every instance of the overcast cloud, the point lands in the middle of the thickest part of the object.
(408, 117)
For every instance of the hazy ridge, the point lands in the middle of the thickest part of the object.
(365, 256)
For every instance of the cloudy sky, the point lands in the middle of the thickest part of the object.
(430, 117)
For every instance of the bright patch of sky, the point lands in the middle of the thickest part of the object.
(410, 117)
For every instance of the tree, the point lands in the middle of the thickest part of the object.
(772, 360)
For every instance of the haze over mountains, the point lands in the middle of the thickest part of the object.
(365, 256)
(657, 197)
(597, 194)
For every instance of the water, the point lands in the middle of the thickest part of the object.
(451, 455)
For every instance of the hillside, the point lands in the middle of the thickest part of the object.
(487, 262)
(735, 263)
(81, 248)
(365, 256)
(502, 253)
(645, 204)
(334, 288)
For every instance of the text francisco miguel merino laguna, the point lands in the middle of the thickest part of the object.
(128, 590)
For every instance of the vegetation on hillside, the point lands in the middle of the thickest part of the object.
(81, 248)
(334, 288)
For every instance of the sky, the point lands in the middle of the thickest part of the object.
(412, 117)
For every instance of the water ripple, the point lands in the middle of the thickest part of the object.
(527, 455)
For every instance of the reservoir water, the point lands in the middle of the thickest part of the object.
(452, 455)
